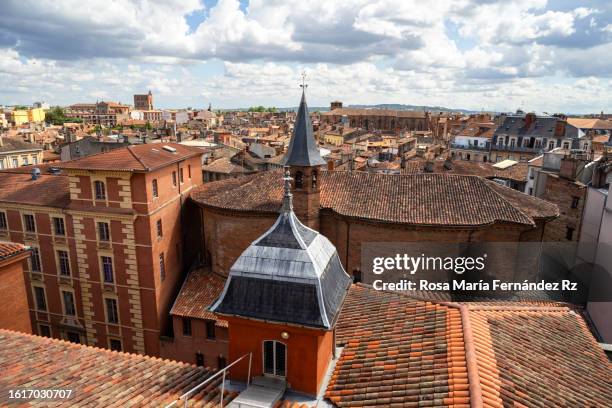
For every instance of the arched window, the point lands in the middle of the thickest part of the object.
(314, 179)
(299, 180)
(100, 190)
(274, 358)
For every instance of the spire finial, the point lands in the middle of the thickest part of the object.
(288, 197)
(304, 84)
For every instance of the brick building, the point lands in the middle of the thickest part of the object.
(376, 119)
(562, 178)
(143, 102)
(13, 298)
(107, 247)
(351, 208)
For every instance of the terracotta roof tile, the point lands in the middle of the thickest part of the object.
(398, 351)
(421, 199)
(517, 172)
(143, 157)
(10, 249)
(98, 377)
(47, 190)
(200, 289)
(538, 357)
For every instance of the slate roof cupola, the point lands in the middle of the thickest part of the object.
(289, 275)
(303, 150)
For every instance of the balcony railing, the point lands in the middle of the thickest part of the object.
(469, 147)
(519, 149)
(185, 397)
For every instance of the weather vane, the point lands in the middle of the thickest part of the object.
(304, 85)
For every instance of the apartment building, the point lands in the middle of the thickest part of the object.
(106, 242)
(16, 152)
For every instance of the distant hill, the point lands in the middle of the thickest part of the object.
(393, 106)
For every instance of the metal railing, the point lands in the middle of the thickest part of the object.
(185, 397)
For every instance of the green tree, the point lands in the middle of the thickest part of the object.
(56, 116)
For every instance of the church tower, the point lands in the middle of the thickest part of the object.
(304, 161)
(282, 300)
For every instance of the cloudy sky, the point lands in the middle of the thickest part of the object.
(547, 56)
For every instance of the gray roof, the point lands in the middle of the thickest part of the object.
(291, 274)
(303, 150)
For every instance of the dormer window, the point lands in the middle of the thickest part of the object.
(100, 190)
(299, 179)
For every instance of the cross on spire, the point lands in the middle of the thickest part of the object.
(304, 84)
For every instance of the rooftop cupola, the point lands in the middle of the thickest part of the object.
(291, 274)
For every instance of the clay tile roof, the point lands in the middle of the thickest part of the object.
(10, 144)
(98, 377)
(398, 351)
(47, 190)
(143, 157)
(200, 290)
(420, 199)
(10, 249)
(532, 206)
(538, 357)
(225, 166)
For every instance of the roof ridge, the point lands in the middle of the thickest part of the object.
(136, 157)
(471, 359)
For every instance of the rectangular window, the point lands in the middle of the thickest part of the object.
(34, 159)
(174, 178)
(189, 170)
(58, 226)
(103, 231)
(39, 297)
(44, 330)
(112, 315)
(221, 362)
(210, 329)
(25, 160)
(162, 267)
(35, 260)
(115, 344)
(64, 262)
(15, 162)
(186, 326)
(575, 201)
(200, 359)
(155, 192)
(107, 269)
(3, 222)
(68, 298)
(73, 337)
(181, 175)
(160, 231)
(100, 190)
(29, 223)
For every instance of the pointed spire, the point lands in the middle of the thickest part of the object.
(288, 197)
(303, 149)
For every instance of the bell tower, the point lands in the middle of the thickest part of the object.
(304, 162)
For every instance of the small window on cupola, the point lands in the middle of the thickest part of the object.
(299, 179)
(315, 174)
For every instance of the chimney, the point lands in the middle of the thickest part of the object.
(560, 128)
(530, 119)
(569, 167)
(330, 165)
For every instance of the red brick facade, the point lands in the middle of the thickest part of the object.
(13, 298)
(141, 291)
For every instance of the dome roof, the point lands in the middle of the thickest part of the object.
(291, 274)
